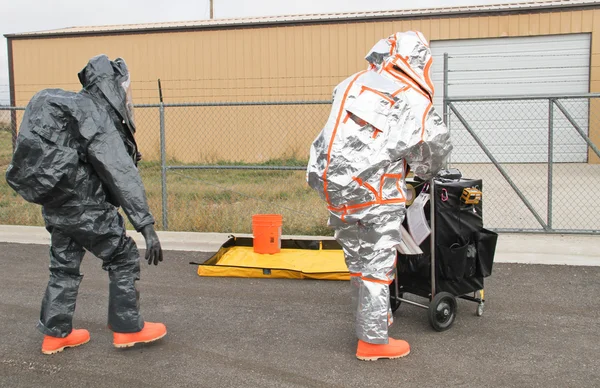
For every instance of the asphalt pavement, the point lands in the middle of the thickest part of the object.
(540, 328)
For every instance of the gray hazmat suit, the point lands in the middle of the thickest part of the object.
(382, 121)
(76, 156)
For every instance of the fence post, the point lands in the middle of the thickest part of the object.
(445, 97)
(13, 128)
(550, 158)
(163, 168)
(445, 112)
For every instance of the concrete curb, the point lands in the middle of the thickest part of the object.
(580, 250)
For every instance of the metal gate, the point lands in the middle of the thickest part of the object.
(527, 188)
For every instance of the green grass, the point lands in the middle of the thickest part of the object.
(204, 200)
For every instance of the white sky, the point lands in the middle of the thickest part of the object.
(35, 15)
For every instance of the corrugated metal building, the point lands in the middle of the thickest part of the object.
(302, 58)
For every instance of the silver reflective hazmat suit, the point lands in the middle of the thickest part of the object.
(382, 122)
(76, 156)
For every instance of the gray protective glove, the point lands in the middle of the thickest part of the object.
(153, 249)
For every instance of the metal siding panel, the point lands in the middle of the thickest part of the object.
(11, 82)
(333, 53)
(180, 64)
(534, 24)
(266, 79)
(201, 45)
(587, 21)
(444, 28)
(406, 25)
(211, 45)
(150, 61)
(503, 25)
(279, 55)
(435, 29)
(362, 46)
(325, 61)
(596, 32)
(41, 64)
(251, 63)
(306, 71)
(524, 24)
(192, 57)
(396, 26)
(415, 25)
(494, 26)
(565, 22)
(352, 49)
(544, 23)
(576, 17)
(339, 49)
(454, 32)
(595, 71)
(254, 74)
(236, 70)
(317, 66)
(473, 27)
(273, 54)
(164, 63)
(513, 66)
(555, 23)
(463, 28)
(484, 28)
(370, 33)
(293, 62)
(172, 73)
(513, 25)
(426, 28)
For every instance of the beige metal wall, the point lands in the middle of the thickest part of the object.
(294, 62)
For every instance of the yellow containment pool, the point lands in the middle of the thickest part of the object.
(298, 259)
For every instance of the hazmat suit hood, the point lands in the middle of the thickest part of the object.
(110, 80)
(404, 54)
(382, 121)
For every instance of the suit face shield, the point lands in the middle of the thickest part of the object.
(126, 85)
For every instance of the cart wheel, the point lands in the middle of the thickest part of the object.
(479, 311)
(442, 311)
(395, 303)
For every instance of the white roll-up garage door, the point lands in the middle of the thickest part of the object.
(515, 131)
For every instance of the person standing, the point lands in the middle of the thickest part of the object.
(382, 123)
(76, 155)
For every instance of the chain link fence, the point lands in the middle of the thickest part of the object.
(9, 118)
(209, 166)
(222, 162)
(540, 168)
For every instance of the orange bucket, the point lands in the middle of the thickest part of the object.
(266, 229)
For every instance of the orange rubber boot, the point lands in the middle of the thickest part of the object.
(150, 333)
(371, 352)
(52, 345)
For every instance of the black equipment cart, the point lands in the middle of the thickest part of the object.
(457, 255)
